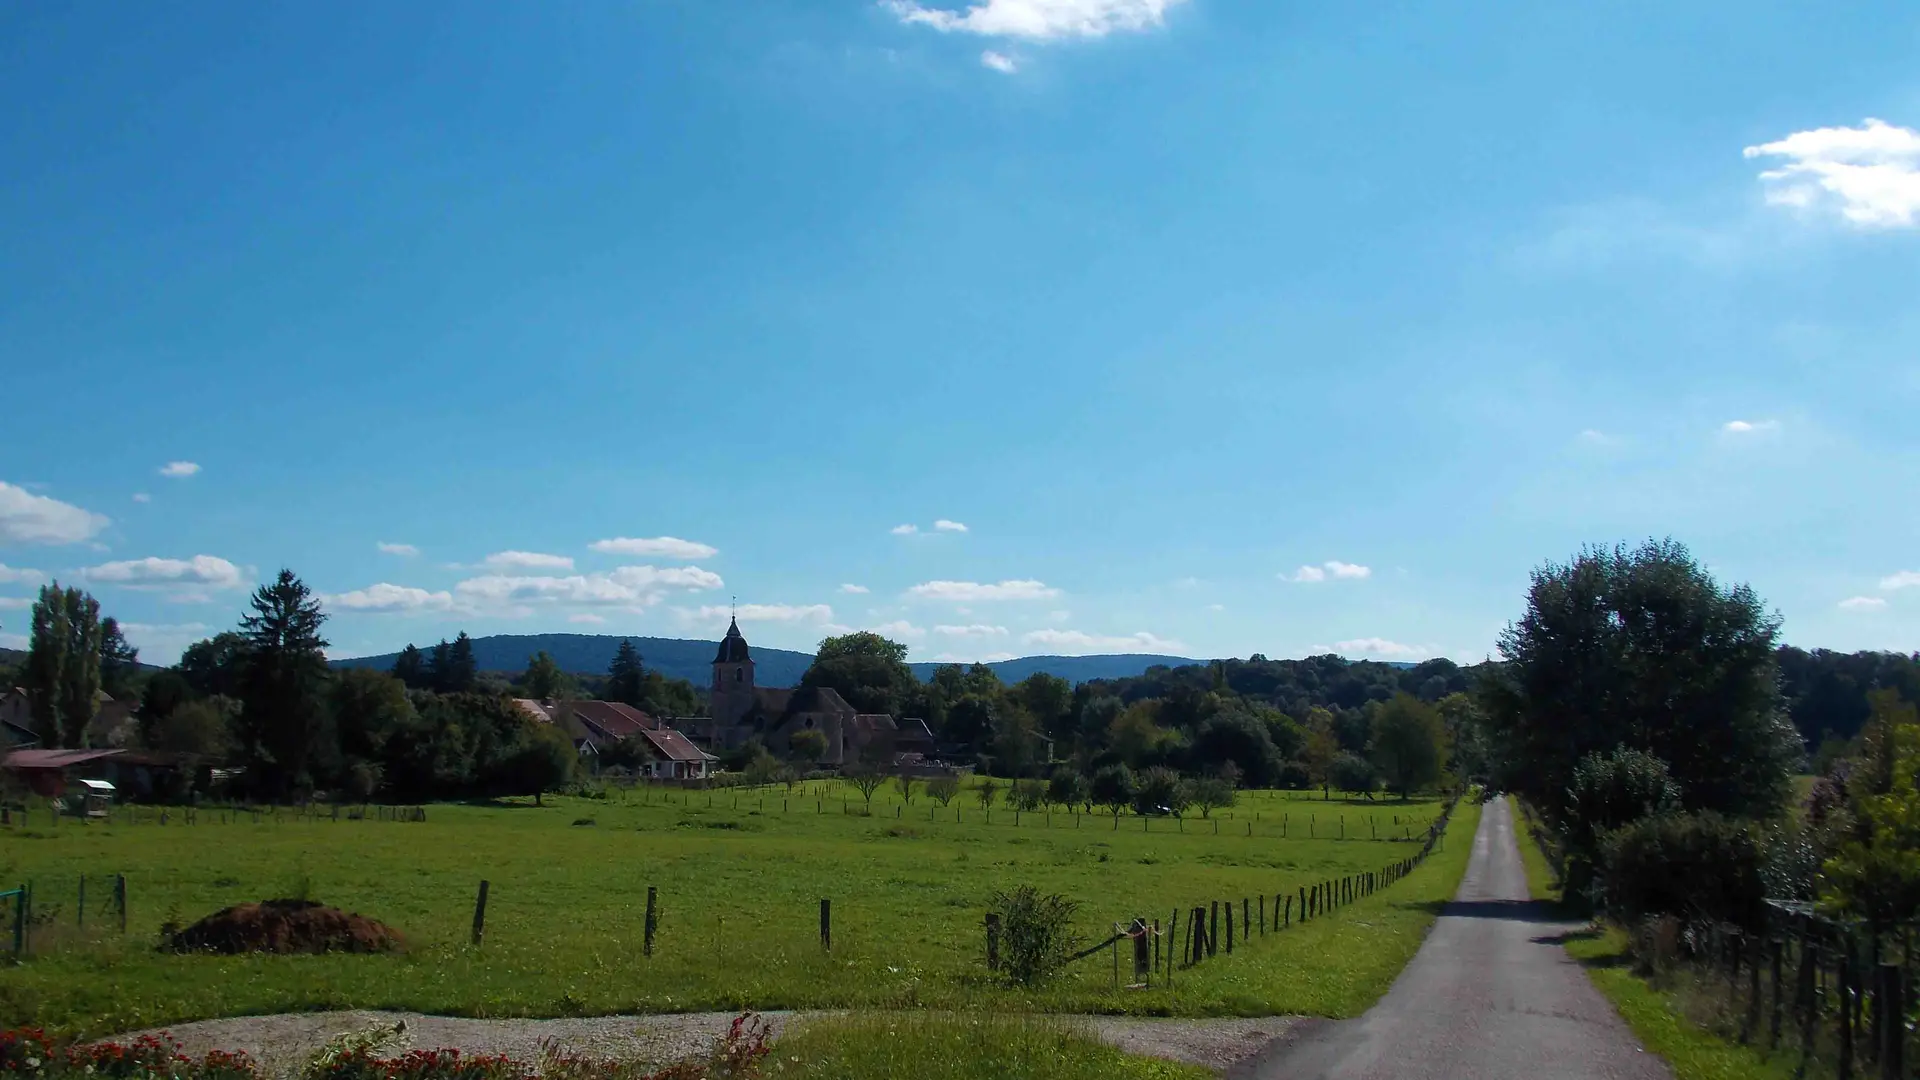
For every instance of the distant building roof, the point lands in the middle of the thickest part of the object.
(610, 720)
(674, 746)
(53, 759)
(97, 786)
(536, 711)
(822, 699)
(733, 647)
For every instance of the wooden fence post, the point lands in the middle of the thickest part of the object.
(653, 921)
(80, 912)
(120, 899)
(1229, 928)
(1263, 913)
(993, 942)
(1287, 919)
(826, 924)
(1213, 934)
(480, 913)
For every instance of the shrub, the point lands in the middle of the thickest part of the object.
(1351, 772)
(1036, 934)
(1213, 793)
(1028, 794)
(1067, 787)
(1609, 791)
(1113, 788)
(1161, 791)
(942, 789)
(1694, 867)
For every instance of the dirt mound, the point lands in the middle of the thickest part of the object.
(285, 926)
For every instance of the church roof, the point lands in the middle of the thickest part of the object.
(733, 647)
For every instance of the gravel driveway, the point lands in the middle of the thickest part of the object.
(281, 1043)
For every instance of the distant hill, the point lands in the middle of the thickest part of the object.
(589, 654)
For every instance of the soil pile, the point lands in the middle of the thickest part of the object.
(286, 926)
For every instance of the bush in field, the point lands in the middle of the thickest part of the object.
(1067, 788)
(1036, 934)
(987, 793)
(1351, 772)
(1028, 795)
(1212, 793)
(1113, 788)
(866, 780)
(1694, 867)
(806, 745)
(1160, 790)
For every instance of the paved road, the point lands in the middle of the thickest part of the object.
(1490, 996)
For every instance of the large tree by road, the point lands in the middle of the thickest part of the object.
(1642, 648)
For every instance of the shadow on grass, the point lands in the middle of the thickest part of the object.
(1529, 911)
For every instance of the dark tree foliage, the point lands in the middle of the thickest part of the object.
(410, 667)
(119, 661)
(868, 670)
(1409, 744)
(1113, 787)
(1239, 738)
(1642, 648)
(285, 729)
(626, 677)
(1826, 691)
(214, 666)
(460, 673)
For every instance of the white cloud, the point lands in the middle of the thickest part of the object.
(10, 575)
(999, 62)
(904, 530)
(142, 497)
(899, 628)
(385, 598)
(1216, 607)
(1336, 568)
(1074, 642)
(769, 613)
(397, 549)
(1037, 20)
(1870, 174)
(15, 602)
(1862, 603)
(26, 518)
(971, 591)
(943, 525)
(179, 470)
(661, 547)
(973, 631)
(1748, 427)
(587, 617)
(1595, 436)
(1381, 647)
(858, 590)
(526, 560)
(163, 641)
(626, 586)
(203, 571)
(1059, 616)
(963, 658)
(1904, 579)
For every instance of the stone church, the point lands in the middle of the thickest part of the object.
(741, 710)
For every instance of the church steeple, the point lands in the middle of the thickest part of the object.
(733, 647)
(731, 695)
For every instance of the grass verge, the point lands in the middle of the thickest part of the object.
(932, 1046)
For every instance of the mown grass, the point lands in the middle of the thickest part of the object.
(739, 891)
(1658, 1015)
(934, 1046)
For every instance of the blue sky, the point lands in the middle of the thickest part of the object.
(1204, 327)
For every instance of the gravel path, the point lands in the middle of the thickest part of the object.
(1491, 995)
(281, 1043)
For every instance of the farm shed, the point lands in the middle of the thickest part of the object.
(45, 772)
(675, 756)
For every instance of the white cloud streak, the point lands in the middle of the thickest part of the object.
(526, 560)
(1862, 603)
(1869, 174)
(1381, 647)
(1037, 20)
(786, 613)
(407, 550)
(631, 587)
(856, 590)
(656, 547)
(965, 592)
(972, 631)
(389, 599)
(1749, 427)
(1904, 579)
(904, 530)
(943, 525)
(1076, 642)
(142, 497)
(201, 571)
(1346, 571)
(179, 470)
(26, 518)
(1000, 62)
(10, 575)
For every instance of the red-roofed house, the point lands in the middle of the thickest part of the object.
(675, 756)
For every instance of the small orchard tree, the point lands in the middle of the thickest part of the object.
(942, 789)
(866, 780)
(987, 792)
(1037, 934)
(1113, 788)
(1160, 790)
(545, 762)
(808, 745)
(1212, 793)
(906, 782)
(1067, 788)
(1028, 795)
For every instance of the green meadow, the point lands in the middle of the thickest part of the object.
(739, 876)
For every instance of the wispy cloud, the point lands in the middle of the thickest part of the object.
(786, 613)
(407, 550)
(944, 525)
(1869, 175)
(999, 62)
(389, 599)
(1381, 647)
(899, 630)
(19, 574)
(142, 497)
(657, 547)
(965, 592)
(198, 573)
(1076, 642)
(1862, 603)
(629, 587)
(588, 618)
(526, 560)
(975, 630)
(26, 518)
(904, 530)
(1334, 568)
(1903, 579)
(857, 590)
(1037, 20)
(179, 470)
(1749, 427)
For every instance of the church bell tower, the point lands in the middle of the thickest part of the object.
(731, 695)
